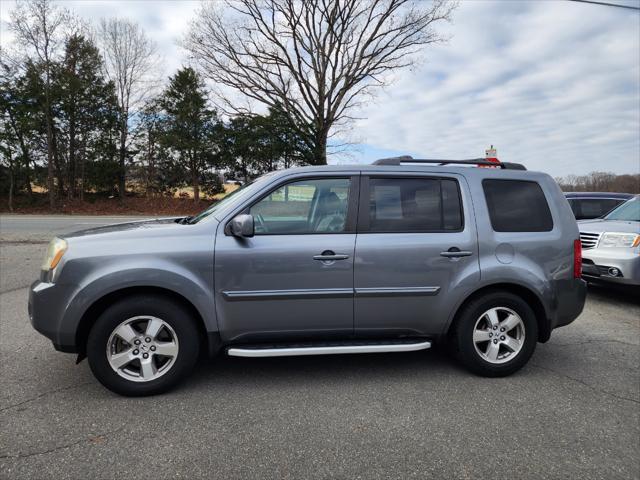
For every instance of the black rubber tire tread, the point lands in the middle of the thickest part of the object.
(462, 337)
(155, 305)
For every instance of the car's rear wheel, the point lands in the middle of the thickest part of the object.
(496, 334)
(143, 345)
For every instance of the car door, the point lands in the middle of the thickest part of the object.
(416, 243)
(294, 278)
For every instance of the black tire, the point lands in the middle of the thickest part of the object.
(462, 338)
(173, 314)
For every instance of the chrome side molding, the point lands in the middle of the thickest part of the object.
(333, 350)
(232, 295)
(396, 291)
(292, 294)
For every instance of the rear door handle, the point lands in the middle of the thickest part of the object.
(329, 256)
(455, 252)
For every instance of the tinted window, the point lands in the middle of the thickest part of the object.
(414, 205)
(575, 207)
(517, 206)
(585, 208)
(308, 206)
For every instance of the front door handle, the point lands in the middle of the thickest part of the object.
(455, 252)
(329, 256)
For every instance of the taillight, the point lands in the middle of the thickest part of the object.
(577, 259)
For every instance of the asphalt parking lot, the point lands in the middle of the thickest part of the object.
(573, 412)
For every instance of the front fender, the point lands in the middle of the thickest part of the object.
(165, 274)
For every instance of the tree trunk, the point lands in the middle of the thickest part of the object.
(49, 122)
(150, 164)
(82, 161)
(122, 158)
(27, 179)
(50, 186)
(196, 186)
(245, 171)
(71, 168)
(59, 173)
(195, 178)
(320, 147)
(11, 181)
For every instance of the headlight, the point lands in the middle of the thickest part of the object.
(56, 250)
(625, 240)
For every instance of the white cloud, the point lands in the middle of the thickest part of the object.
(164, 21)
(555, 85)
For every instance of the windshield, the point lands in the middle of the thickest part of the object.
(243, 191)
(627, 212)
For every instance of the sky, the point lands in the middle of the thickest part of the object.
(552, 84)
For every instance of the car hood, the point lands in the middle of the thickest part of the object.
(129, 227)
(602, 225)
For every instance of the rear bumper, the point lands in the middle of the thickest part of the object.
(599, 262)
(47, 302)
(572, 295)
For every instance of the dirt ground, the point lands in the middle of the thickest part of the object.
(182, 203)
(108, 206)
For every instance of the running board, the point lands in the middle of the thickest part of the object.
(291, 351)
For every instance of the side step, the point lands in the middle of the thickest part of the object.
(328, 348)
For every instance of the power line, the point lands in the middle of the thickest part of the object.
(606, 4)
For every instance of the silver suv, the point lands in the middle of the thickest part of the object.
(388, 257)
(611, 245)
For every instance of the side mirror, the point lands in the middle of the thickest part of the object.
(242, 226)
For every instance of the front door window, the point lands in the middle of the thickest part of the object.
(303, 207)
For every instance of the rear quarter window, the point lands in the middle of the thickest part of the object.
(586, 208)
(517, 206)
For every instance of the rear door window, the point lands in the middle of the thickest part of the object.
(413, 205)
(517, 206)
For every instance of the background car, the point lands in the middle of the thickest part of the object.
(611, 245)
(588, 205)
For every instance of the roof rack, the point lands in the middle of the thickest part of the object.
(474, 161)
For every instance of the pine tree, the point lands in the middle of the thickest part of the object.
(190, 130)
(86, 107)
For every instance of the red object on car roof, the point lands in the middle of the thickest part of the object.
(491, 155)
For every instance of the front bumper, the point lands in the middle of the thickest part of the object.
(597, 264)
(47, 304)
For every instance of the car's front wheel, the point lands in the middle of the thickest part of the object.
(143, 345)
(495, 335)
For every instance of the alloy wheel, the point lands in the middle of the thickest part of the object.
(498, 335)
(142, 349)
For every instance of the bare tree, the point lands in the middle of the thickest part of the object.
(38, 25)
(315, 59)
(600, 182)
(130, 59)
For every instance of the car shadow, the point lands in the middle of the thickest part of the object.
(621, 294)
(307, 371)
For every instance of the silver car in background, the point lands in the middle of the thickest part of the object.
(611, 245)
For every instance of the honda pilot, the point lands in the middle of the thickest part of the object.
(390, 257)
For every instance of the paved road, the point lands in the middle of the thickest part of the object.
(573, 412)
